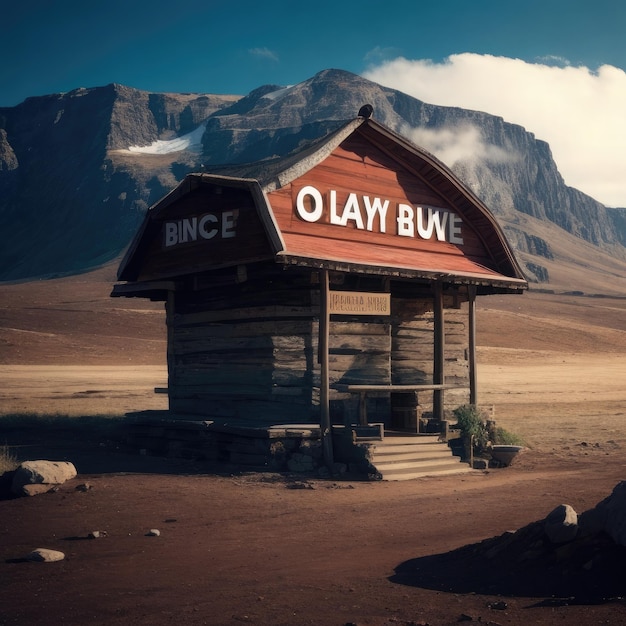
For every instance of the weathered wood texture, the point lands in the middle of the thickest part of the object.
(247, 352)
(359, 165)
(248, 243)
(412, 348)
(243, 351)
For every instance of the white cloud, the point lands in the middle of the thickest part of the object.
(462, 143)
(579, 112)
(265, 53)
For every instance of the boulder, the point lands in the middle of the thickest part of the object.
(41, 473)
(610, 514)
(45, 555)
(34, 490)
(561, 525)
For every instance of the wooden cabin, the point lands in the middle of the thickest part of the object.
(323, 292)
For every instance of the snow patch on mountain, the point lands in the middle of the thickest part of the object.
(191, 142)
(279, 94)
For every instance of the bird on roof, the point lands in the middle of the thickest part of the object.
(366, 111)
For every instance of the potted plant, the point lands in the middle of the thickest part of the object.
(481, 438)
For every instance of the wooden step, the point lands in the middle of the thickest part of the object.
(408, 457)
(407, 448)
(427, 471)
(385, 464)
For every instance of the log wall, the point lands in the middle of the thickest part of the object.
(243, 352)
(246, 352)
(412, 348)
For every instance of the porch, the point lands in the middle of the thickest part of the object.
(362, 452)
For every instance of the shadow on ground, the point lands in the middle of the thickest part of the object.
(93, 458)
(525, 564)
(94, 444)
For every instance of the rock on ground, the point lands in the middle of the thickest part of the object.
(561, 525)
(45, 555)
(41, 473)
(609, 515)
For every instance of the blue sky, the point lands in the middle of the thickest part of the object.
(444, 53)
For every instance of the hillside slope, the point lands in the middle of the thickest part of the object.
(73, 320)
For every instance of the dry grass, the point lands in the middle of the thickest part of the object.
(8, 460)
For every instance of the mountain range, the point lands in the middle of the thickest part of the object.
(78, 170)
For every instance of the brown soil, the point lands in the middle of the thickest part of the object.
(277, 549)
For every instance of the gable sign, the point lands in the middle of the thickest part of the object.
(199, 227)
(201, 230)
(379, 215)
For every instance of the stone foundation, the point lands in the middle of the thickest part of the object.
(283, 448)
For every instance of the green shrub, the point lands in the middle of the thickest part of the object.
(473, 426)
(503, 437)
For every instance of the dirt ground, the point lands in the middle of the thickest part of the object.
(279, 549)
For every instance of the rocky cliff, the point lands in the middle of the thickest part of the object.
(78, 170)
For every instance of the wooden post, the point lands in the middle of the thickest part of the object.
(324, 324)
(170, 309)
(473, 379)
(439, 352)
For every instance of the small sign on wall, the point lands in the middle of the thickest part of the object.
(359, 303)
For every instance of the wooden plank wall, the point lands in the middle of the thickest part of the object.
(359, 165)
(244, 352)
(359, 353)
(197, 255)
(412, 347)
(412, 341)
(456, 366)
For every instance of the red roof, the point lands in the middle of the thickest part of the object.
(361, 163)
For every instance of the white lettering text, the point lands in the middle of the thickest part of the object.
(206, 227)
(370, 213)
